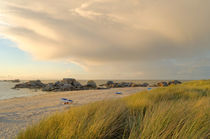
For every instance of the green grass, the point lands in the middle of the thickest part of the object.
(181, 111)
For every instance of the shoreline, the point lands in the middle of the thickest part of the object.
(17, 113)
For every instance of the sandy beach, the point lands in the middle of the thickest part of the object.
(17, 113)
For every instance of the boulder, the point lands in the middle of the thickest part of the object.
(91, 84)
(174, 82)
(144, 85)
(162, 84)
(67, 87)
(16, 81)
(109, 83)
(58, 83)
(20, 86)
(130, 84)
(124, 84)
(31, 84)
(134, 85)
(67, 84)
(115, 85)
(77, 84)
(68, 80)
(48, 87)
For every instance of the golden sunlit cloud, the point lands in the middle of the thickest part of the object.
(103, 35)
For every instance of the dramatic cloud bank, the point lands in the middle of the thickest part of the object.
(141, 38)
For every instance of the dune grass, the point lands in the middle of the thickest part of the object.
(181, 111)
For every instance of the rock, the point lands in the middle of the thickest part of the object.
(77, 85)
(16, 81)
(134, 85)
(37, 83)
(145, 85)
(115, 85)
(67, 84)
(58, 83)
(124, 84)
(112, 85)
(109, 83)
(48, 87)
(162, 84)
(91, 84)
(175, 82)
(130, 84)
(67, 87)
(20, 86)
(68, 80)
(31, 84)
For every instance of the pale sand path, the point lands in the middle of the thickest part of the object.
(17, 113)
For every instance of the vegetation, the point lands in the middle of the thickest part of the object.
(180, 111)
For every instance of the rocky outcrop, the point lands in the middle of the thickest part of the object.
(144, 85)
(31, 84)
(174, 82)
(67, 84)
(108, 83)
(134, 85)
(68, 81)
(15, 81)
(111, 84)
(164, 84)
(91, 84)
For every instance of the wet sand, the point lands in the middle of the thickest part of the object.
(17, 113)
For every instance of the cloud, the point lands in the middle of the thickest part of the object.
(105, 35)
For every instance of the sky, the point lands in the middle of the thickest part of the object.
(105, 39)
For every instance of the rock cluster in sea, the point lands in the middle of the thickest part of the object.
(67, 84)
(173, 82)
(111, 84)
(31, 85)
(70, 84)
(13, 81)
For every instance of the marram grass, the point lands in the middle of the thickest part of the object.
(175, 112)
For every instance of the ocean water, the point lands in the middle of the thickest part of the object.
(6, 91)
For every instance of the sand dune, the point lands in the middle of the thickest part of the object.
(17, 113)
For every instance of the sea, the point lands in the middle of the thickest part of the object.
(6, 91)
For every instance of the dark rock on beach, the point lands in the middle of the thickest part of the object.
(68, 81)
(31, 84)
(164, 84)
(109, 83)
(67, 84)
(15, 81)
(91, 84)
(174, 82)
(145, 85)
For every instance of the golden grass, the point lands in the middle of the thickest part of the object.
(181, 111)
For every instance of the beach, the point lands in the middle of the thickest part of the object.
(18, 113)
